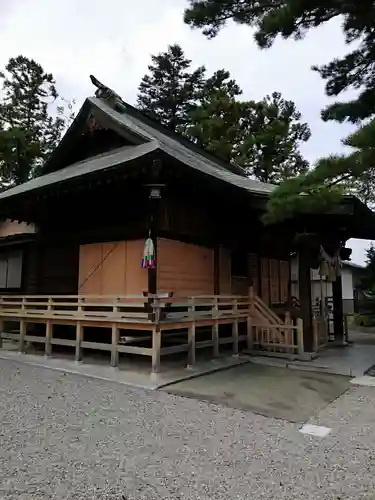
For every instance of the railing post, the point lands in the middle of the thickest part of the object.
(191, 334)
(235, 328)
(79, 304)
(156, 346)
(156, 336)
(300, 336)
(79, 332)
(48, 346)
(215, 328)
(21, 347)
(114, 351)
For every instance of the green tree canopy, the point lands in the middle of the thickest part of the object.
(31, 123)
(261, 137)
(170, 90)
(356, 70)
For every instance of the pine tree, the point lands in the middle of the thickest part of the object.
(214, 123)
(28, 132)
(286, 18)
(171, 89)
(261, 137)
(271, 135)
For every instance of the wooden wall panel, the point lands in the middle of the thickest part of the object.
(112, 268)
(89, 281)
(265, 280)
(274, 281)
(284, 280)
(225, 287)
(136, 276)
(240, 286)
(185, 269)
(58, 267)
(254, 271)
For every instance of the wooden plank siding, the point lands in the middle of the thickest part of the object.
(253, 263)
(112, 268)
(225, 273)
(265, 280)
(274, 278)
(57, 264)
(184, 268)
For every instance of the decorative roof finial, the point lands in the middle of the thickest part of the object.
(108, 95)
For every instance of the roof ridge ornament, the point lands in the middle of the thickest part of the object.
(108, 95)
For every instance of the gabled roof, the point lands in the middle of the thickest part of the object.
(97, 163)
(149, 137)
(187, 154)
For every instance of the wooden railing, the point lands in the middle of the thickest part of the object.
(163, 320)
(83, 307)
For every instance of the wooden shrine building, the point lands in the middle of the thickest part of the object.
(118, 178)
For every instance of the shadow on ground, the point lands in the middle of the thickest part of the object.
(273, 392)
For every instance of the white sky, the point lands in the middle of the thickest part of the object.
(113, 40)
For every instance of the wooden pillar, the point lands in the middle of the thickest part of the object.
(155, 189)
(215, 329)
(114, 351)
(156, 346)
(235, 329)
(191, 345)
(191, 334)
(22, 335)
(304, 286)
(338, 313)
(48, 346)
(79, 331)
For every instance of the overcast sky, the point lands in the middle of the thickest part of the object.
(113, 40)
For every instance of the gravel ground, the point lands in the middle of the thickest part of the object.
(68, 437)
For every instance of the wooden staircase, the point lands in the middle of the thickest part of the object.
(261, 313)
(270, 332)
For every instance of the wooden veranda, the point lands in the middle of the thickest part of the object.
(152, 326)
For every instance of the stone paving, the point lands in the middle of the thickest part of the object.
(70, 437)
